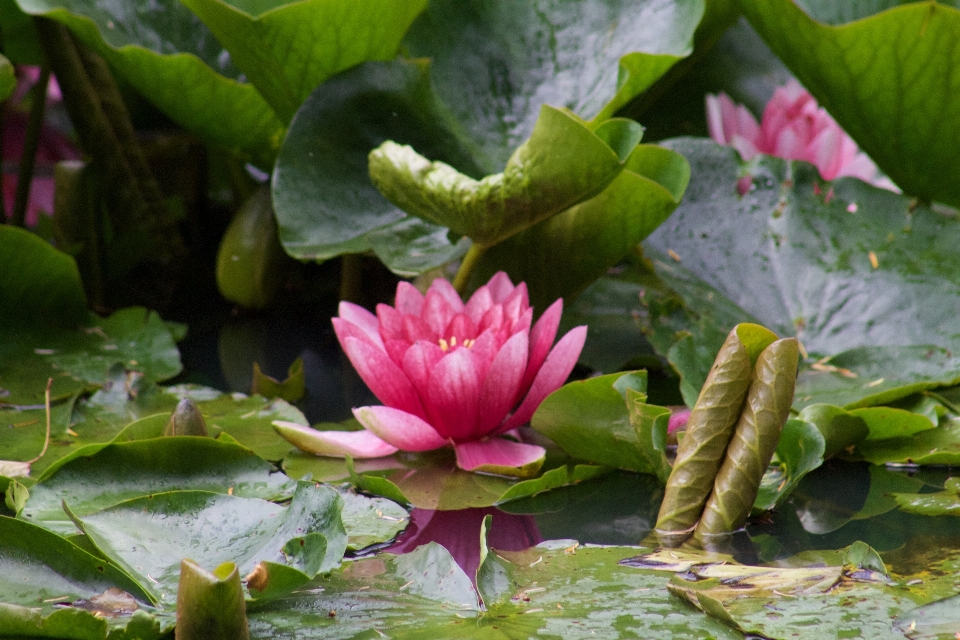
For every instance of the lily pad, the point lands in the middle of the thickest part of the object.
(148, 537)
(900, 109)
(128, 470)
(784, 257)
(399, 595)
(41, 575)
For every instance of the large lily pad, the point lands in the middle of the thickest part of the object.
(172, 58)
(40, 573)
(900, 108)
(402, 596)
(128, 470)
(148, 537)
(784, 257)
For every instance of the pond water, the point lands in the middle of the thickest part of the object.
(838, 504)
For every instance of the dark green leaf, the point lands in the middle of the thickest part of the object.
(8, 81)
(881, 336)
(288, 48)
(651, 423)
(887, 422)
(494, 583)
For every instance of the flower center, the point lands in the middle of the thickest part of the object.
(445, 345)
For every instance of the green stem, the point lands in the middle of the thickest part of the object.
(469, 263)
(31, 143)
(350, 276)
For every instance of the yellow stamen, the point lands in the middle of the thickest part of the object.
(453, 341)
(468, 343)
(443, 345)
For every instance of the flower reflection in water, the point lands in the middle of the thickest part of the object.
(459, 533)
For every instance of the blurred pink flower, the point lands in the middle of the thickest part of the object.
(794, 127)
(450, 373)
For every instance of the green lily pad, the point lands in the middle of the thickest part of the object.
(128, 470)
(399, 595)
(286, 49)
(784, 257)
(148, 537)
(173, 60)
(370, 520)
(900, 109)
(932, 446)
(40, 572)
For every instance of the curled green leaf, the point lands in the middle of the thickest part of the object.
(564, 162)
(754, 440)
(708, 432)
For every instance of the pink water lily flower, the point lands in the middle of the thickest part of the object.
(450, 374)
(793, 127)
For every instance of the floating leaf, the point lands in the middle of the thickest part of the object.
(148, 537)
(782, 256)
(119, 472)
(590, 420)
(800, 451)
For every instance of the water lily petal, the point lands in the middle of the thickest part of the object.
(409, 299)
(416, 329)
(453, 398)
(396, 349)
(437, 312)
(357, 444)
(418, 362)
(385, 379)
(554, 372)
(516, 304)
(345, 330)
(541, 338)
(391, 322)
(479, 302)
(443, 287)
(501, 384)
(500, 456)
(362, 319)
(492, 319)
(399, 428)
(500, 286)
(460, 327)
